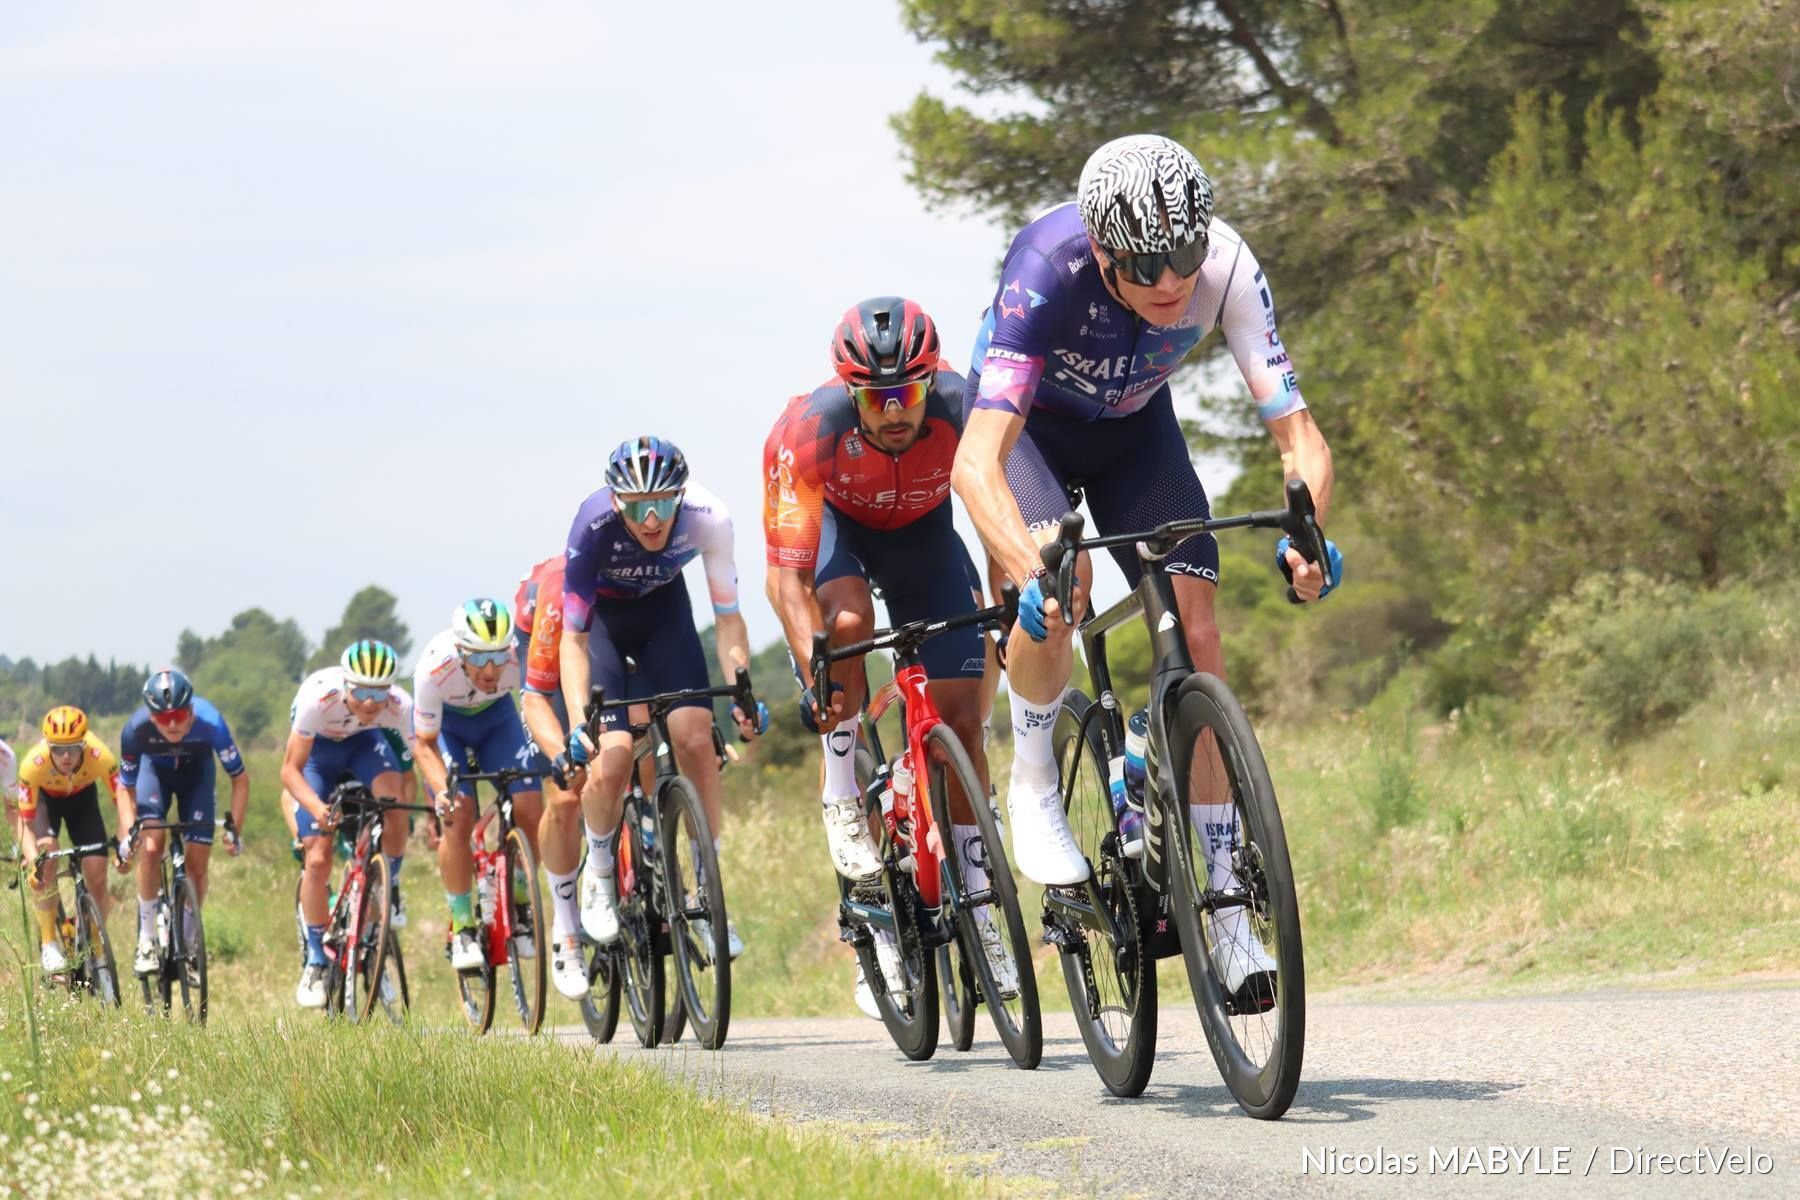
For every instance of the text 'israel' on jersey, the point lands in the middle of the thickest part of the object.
(1056, 339)
(818, 454)
(322, 708)
(207, 735)
(603, 559)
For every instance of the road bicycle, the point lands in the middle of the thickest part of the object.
(671, 896)
(180, 932)
(508, 904)
(364, 965)
(1111, 930)
(82, 936)
(919, 898)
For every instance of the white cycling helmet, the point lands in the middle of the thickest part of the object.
(481, 624)
(1144, 194)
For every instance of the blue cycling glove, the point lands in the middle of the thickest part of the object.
(809, 707)
(1333, 556)
(761, 723)
(577, 751)
(1031, 609)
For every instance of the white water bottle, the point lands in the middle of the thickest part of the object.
(484, 888)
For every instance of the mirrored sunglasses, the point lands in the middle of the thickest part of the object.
(875, 400)
(639, 509)
(366, 694)
(486, 658)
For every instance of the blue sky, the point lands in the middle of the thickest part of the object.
(297, 298)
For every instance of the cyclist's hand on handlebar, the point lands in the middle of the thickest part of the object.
(1308, 579)
(1033, 608)
(326, 817)
(127, 844)
(581, 750)
(747, 727)
(234, 841)
(815, 717)
(443, 803)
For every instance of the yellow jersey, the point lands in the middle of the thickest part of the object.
(37, 775)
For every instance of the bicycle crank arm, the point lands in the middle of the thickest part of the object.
(1087, 909)
(868, 914)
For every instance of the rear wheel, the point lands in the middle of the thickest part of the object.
(638, 951)
(530, 979)
(187, 934)
(696, 913)
(101, 971)
(1111, 980)
(1244, 906)
(395, 996)
(958, 985)
(910, 1010)
(1014, 1011)
(368, 958)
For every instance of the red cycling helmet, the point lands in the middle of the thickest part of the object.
(884, 341)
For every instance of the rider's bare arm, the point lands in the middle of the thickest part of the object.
(796, 603)
(293, 774)
(1304, 455)
(572, 660)
(979, 477)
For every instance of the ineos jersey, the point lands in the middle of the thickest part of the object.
(817, 454)
(321, 708)
(1056, 339)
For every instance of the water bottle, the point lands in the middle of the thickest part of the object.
(1128, 793)
(881, 787)
(484, 889)
(162, 927)
(900, 792)
(647, 827)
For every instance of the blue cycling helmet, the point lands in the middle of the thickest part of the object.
(646, 464)
(168, 690)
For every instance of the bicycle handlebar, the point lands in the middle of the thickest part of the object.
(906, 637)
(1299, 520)
(740, 691)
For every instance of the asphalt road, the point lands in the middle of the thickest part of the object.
(1488, 1098)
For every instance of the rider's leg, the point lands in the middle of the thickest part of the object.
(93, 871)
(151, 806)
(603, 799)
(848, 607)
(45, 884)
(1209, 792)
(315, 887)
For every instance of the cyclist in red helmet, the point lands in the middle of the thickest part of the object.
(857, 495)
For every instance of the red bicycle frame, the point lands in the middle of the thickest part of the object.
(909, 821)
(492, 863)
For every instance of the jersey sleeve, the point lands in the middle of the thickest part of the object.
(581, 578)
(427, 701)
(400, 715)
(309, 705)
(225, 746)
(131, 748)
(1024, 316)
(718, 559)
(543, 657)
(106, 764)
(1248, 323)
(9, 772)
(793, 489)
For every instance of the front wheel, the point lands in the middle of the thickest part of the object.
(696, 913)
(101, 971)
(1235, 907)
(995, 941)
(475, 988)
(638, 953)
(368, 958)
(530, 980)
(600, 1006)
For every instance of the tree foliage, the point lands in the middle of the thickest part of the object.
(371, 613)
(1536, 262)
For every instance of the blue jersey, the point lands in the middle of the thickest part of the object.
(208, 735)
(603, 559)
(1054, 337)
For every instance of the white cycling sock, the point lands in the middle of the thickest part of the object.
(565, 917)
(1216, 826)
(600, 851)
(1034, 755)
(146, 919)
(840, 760)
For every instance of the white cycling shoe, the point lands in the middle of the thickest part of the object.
(465, 950)
(599, 907)
(568, 970)
(865, 995)
(999, 958)
(887, 957)
(1243, 966)
(734, 945)
(853, 849)
(311, 992)
(52, 959)
(147, 959)
(1044, 851)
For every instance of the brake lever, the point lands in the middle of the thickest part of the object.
(1059, 559)
(745, 699)
(1301, 524)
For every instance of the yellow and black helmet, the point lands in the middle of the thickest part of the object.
(65, 725)
(370, 663)
(481, 624)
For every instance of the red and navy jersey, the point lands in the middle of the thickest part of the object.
(817, 455)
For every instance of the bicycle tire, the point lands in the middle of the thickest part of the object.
(102, 972)
(911, 1015)
(475, 989)
(368, 958)
(639, 954)
(957, 994)
(600, 1006)
(1112, 984)
(1017, 1019)
(698, 932)
(396, 965)
(674, 1017)
(530, 977)
(184, 952)
(1265, 1089)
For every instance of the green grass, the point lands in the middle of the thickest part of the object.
(296, 1106)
